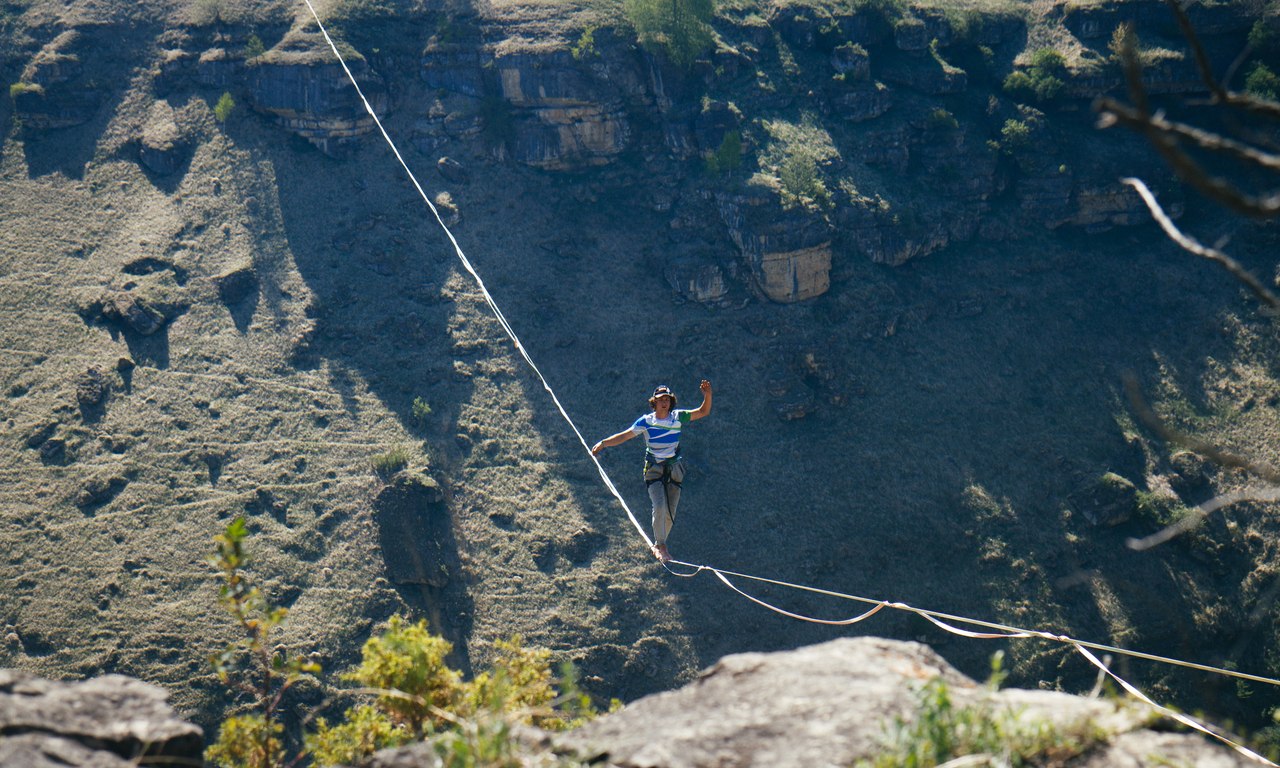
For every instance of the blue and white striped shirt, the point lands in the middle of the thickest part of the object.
(662, 436)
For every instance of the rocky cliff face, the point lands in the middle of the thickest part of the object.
(883, 87)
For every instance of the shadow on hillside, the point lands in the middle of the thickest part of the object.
(378, 316)
(106, 55)
(421, 556)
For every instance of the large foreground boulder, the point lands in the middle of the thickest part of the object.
(834, 704)
(106, 722)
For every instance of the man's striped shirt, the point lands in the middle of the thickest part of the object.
(662, 436)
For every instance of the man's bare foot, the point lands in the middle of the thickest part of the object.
(660, 552)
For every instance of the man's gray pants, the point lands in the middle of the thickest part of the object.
(664, 496)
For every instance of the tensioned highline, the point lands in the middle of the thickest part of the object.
(933, 616)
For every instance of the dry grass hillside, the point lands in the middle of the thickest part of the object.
(965, 405)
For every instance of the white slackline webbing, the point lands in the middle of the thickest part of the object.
(932, 616)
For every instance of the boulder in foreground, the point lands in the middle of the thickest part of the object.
(833, 704)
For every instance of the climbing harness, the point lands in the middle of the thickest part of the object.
(651, 461)
(941, 620)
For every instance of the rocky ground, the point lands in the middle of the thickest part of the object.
(205, 318)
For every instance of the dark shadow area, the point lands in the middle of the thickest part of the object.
(377, 315)
(242, 312)
(61, 121)
(167, 180)
(421, 556)
(62, 150)
(151, 350)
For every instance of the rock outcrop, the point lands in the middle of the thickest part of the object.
(306, 90)
(564, 119)
(54, 91)
(107, 722)
(834, 704)
(788, 250)
(161, 147)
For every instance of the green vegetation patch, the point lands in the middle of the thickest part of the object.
(796, 153)
(942, 731)
(1043, 80)
(18, 89)
(1263, 82)
(391, 462)
(415, 694)
(679, 28)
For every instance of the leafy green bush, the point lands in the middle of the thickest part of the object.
(681, 28)
(391, 462)
(255, 664)
(1042, 80)
(225, 106)
(942, 732)
(1264, 35)
(1160, 508)
(247, 741)
(801, 182)
(365, 729)
(420, 409)
(419, 696)
(585, 48)
(794, 156)
(1263, 82)
(1015, 135)
(942, 119)
(728, 157)
(253, 47)
(406, 663)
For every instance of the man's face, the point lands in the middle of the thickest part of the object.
(663, 403)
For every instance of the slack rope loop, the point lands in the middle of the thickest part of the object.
(878, 605)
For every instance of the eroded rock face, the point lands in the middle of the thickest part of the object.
(104, 722)
(413, 524)
(53, 91)
(299, 83)
(564, 118)
(787, 250)
(833, 704)
(162, 147)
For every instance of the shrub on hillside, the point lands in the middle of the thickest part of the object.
(1263, 82)
(1042, 80)
(387, 464)
(680, 28)
(416, 694)
(728, 157)
(943, 733)
(225, 106)
(17, 89)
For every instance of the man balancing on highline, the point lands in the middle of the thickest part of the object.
(663, 467)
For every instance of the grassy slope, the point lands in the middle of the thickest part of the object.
(942, 482)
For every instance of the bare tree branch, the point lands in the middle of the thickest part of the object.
(1220, 93)
(1115, 112)
(1164, 135)
(1196, 514)
(1170, 435)
(1191, 245)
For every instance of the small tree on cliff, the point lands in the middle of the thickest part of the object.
(680, 27)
